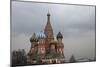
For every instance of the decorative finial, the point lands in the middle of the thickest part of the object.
(48, 13)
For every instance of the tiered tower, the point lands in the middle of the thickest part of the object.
(33, 41)
(41, 46)
(60, 46)
(48, 32)
(34, 47)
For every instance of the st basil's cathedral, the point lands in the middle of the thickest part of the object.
(45, 49)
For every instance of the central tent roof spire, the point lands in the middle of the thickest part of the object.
(48, 28)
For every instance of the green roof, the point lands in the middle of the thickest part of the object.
(33, 38)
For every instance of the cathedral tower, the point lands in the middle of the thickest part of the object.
(33, 41)
(60, 46)
(33, 49)
(48, 31)
(41, 44)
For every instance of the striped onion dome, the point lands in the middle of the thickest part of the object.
(33, 38)
(59, 35)
(41, 35)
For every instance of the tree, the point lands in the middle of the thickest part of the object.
(19, 57)
(72, 59)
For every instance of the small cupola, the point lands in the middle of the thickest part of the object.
(34, 38)
(59, 35)
(41, 35)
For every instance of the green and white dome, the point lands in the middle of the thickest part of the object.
(33, 38)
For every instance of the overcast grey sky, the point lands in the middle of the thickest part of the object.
(75, 22)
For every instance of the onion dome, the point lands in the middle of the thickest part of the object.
(48, 14)
(41, 35)
(33, 38)
(53, 42)
(59, 35)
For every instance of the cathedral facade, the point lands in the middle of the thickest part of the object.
(44, 48)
